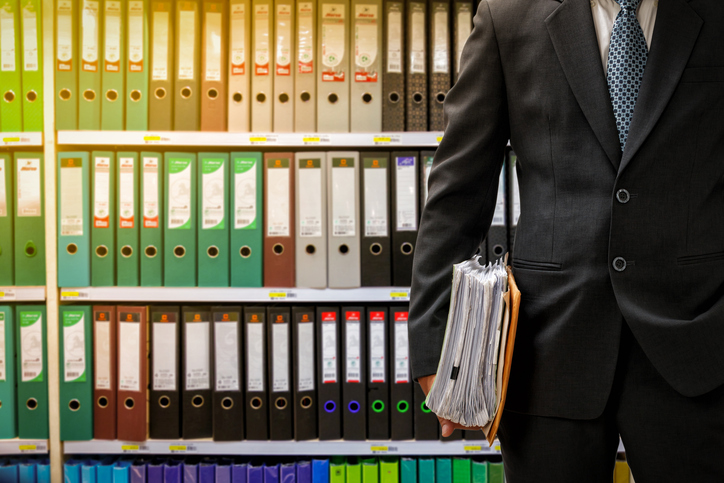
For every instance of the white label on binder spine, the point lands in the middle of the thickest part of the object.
(333, 41)
(499, 214)
(160, 46)
(406, 194)
(464, 29)
(213, 46)
(305, 38)
(71, 198)
(255, 357)
(344, 211)
(280, 360)
(164, 356)
(28, 187)
(7, 40)
(101, 193)
(277, 187)
(261, 39)
(402, 349)
(441, 62)
(375, 198)
(377, 347)
(89, 46)
(187, 44)
(354, 351)
(212, 194)
(179, 196)
(74, 346)
(135, 36)
(102, 354)
(305, 356)
(30, 38)
(329, 347)
(226, 336)
(126, 195)
(245, 193)
(394, 41)
(365, 41)
(198, 371)
(284, 40)
(310, 198)
(238, 39)
(64, 30)
(417, 38)
(3, 192)
(31, 347)
(2, 347)
(129, 353)
(112, 57)
(150, 193)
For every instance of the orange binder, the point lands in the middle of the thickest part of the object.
(132, 384)
(279, 220)
(213, 66)
(104, 372)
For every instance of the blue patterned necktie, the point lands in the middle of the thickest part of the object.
(626, 62)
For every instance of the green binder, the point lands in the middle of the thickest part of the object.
(179, 253)
(426, 470)
(113, 57)
(8, 392)
(480, 472)
(496, 473)
(137, 66)
(6, 221)
(214, 220)
(337, 470)
(11, 106)
(461, 470)
(354, 470)
(370, 470)
(151, 242)
(127, 258)
(74, 246)
(32, 375)
(89, 75)
(29, 189)
(103, 212)
(66, 65)
(408, 470)
(246, 223)
(32, 65)
(76, 373)
(389, 470)
(443, 470)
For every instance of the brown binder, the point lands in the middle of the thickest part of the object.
(213, 66)
(132, 386)
(104, 372)
(279, 220)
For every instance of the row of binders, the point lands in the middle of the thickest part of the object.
(23, 372)
(22, 219)
(25, 470)
(21, 66)
(236, 373)
(335, 470)
(339, 219)
(257, 65)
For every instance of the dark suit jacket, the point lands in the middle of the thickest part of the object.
(532, 73)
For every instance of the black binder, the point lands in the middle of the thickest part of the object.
(427, 426)
(498, 233)
(401, 404)
(416, 73)
(393, 69)
(405, 215)
(378, 377)
(256, 412)
(375, 215)
(228, 400)
(198, 374)
(438, 54)
(354, 374)
(165, 406)
(304, 365)
(279, 336)
(329, 373)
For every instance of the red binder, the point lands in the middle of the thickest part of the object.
(132, 373)
(279, 220)
(104, 371)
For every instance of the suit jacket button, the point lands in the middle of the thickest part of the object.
(623, 196)
(619, 264)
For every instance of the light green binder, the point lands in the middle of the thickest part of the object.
(151, 208)
(443, 470)
(389, 470)
(179, 252)
(103, 219)
(137, 66)
(113, 57)
(214, 220)
(127, 188)
(32, 375)
(408, 470)
(426, 470)
(89, 75)
(67, 63)
(480, 472)
(246, 220)
(11, 106)
(76, 373)
(496, 473)
(74, 245)
(8, 391)
(29, 190)
(7, 265)
(337, 470)
(354, 470)
(32, 65)
(370, 470)
(461, 470)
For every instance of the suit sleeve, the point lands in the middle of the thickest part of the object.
(463, 185)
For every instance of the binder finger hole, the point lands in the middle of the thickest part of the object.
(164, 402)
(261, 97)
(212, 252)
(280, 403)
(406, 248)
(186, 92)
(376, 249)
(366, 97)
(112, 95)
(424, 408)
(135, 95)
(102, 402)
(245, 252)
(343, 249)
(440, 97)
(283, 98)
(197, 401)
(212, 93)
(394, 97)
(151, 251)
(378, 406)
(89, 95)
(129, 403)
(74, 405)
(403, 406)
(237, 97)
(65, 94)
(306, 402)
(278, 248)
(417, 97)
(256, 403)
(310, 249)
(227, 403)
(30, 250)
(9, 96)
(32, 404)
(1, 404)
(179, 251)
(101, 251)
(159, 93)
(72, 248)
(127, 251)
(31, 96)
(354, 407)
(498, 250)
(330, 406)
(333, 98)
(305, 96)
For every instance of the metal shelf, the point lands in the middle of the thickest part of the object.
(231, 294)
(21, 139)
(23, 446)
(271, 448)
(275, 140)
(22, 294)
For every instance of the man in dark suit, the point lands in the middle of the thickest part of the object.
(619, 253)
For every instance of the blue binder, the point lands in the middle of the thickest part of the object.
(104, 471)
(173, 472)
(89, 471)
(8, 471)
(304, 472)
(207, 472)
(138, 471)
(154, 470)
(320, 471)
(256, 474)
(71, 471)
(288, 473)
(27, 472)
(239, 472)
(121, 472)
(191, 471)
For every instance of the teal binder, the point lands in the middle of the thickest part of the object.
(408, 470)
(426, 470)
(29, 190)
(443, 470)
(103, 218)
(179, 253)
(89, 72)
(127, 228)
(214, 220)
(480, 472)
(8, 392)
(32, 371)
(7, 265)
(246, 221)
(73, 219)
(151, 208)
(76, 373)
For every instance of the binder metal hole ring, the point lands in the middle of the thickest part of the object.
(261, 97)
(306, 402)
(366, 97)
(305, 96)
(127, 251)
(330, 406)
(424, 408)
(378, 406)
(112, 95)
(72, 248)
(376, 249)
(186, 92)
(256, 402)
(498, 250)
(227, 403)
(237, 97)
(159, 93)
(310, 249)
(102, 402)
(284, 98)
(65, 94)
(245, 252)
(212, 93)
(30, 250)
(354, 407)
(164, 402)
(417, 97)
(406, 248)
(212, 251)
(31, 96)
(333, 98)
(32, 404)
(129, 403)
(343, 249)
(403, 406)
(197, 401)
(179, 251)
(101, 251)
(9, 96)
(136, 95)
(89, 95)
(278, 249)
(74, 405)
(394, 97)
(440, 97)
(151, 251)
(281, 403)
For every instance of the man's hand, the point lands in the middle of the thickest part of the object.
(447, 426)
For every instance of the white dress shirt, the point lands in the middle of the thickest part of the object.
(604, 13)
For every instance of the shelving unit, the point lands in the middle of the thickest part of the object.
(21, 139)
(23, 446)
(22, 294)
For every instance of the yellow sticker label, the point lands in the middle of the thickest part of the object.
(257, 140)
(151, 138)
(69, 294)
(129, 447)
(2, 294)
(399, 294)
(27, 447)
(496, 447)
(379, 448)
(382, 139)
(310, 140)
(11, 140)
(276, 295)
(473, 448)
(177, 448)
(439, 138)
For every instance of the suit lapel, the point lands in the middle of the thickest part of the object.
(675, 33)
(573, 34)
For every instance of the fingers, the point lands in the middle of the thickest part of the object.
(447, 427)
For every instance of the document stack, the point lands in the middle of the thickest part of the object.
(478, 346)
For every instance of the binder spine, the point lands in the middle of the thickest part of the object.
(256, 410)
(66, 64)
(161, 66)
(417, 68)
(76, 386)
(329, 382)
(213, 72)
(333, 81)
(7, 203)
(354, 374)
(164, 401)
(29, 219)
(401, 401)
(279, 220)
(279, 338)
(151, 219)
(375, 249)
(73, 220)
(89, 65)
(187, 59)
(127, 226)
(378, 376)
(132, 374)
(366, 61)
(284, 72)
(246, 219)
(103, 216)
(405, 215)
(262, 87)
(311, 219)
(306, 63)
(137, 65)
(228, 399)
(304, 367)
(343, 219)
(239, 65)
(439, 61)
(196, 392)
(113, 64)
(32, 371)
(32, 60)
(394, 65)
(105, 385)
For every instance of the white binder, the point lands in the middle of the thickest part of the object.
(311, 219)
(262, 41)
(284, 49)
(305, 81)
(343, 217)
(366, 58)
(239, 65)
(333, 54)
